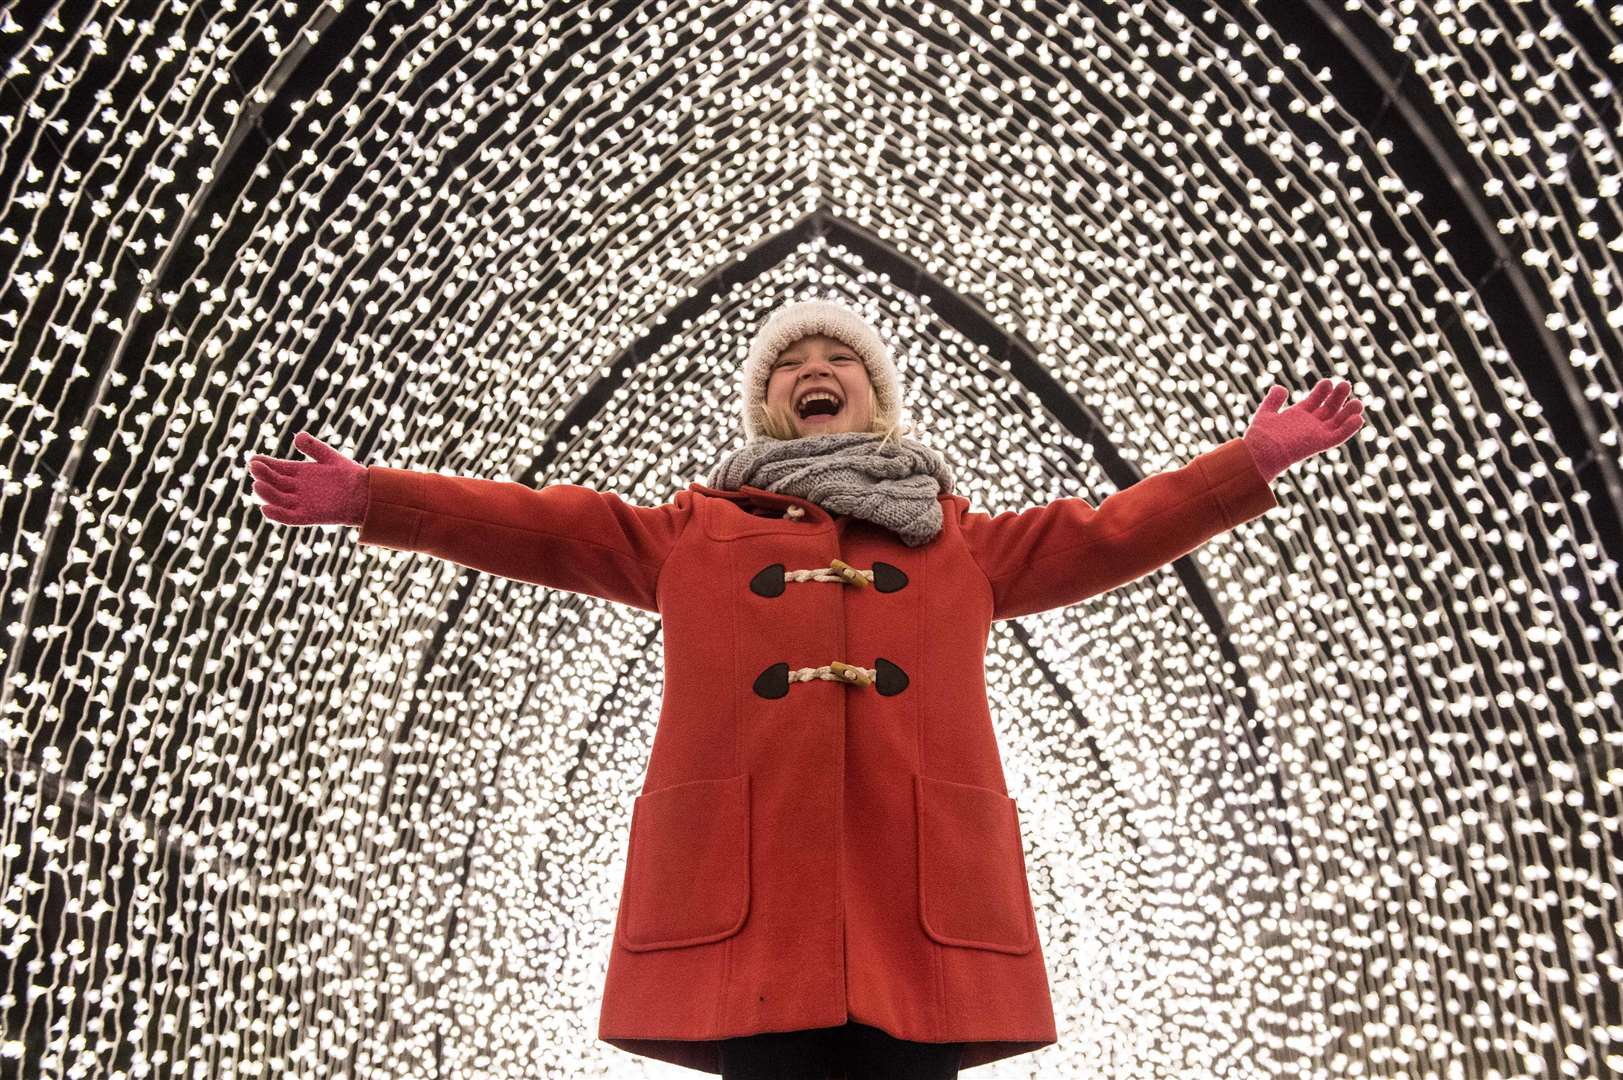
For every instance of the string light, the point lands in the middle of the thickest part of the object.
(277, 804)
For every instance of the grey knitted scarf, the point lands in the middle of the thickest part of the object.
(848, 472)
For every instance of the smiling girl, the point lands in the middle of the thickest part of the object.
(825, 870)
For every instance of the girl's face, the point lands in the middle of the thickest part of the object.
(821, 363)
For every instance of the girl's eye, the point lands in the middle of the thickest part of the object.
(795, 363)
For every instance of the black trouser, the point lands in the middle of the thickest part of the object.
(855, 1051)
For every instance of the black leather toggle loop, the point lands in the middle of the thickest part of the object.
(774, 681)
(769, 582)
(889, 679)
(888, 578)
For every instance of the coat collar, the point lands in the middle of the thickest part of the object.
(776, 501)
(771, 499)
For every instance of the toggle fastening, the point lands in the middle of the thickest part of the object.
(884, 676)
(884, 577)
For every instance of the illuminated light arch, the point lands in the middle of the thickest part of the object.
(206, 819)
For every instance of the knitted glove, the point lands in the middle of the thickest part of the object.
(330, 490)
(1325, 418)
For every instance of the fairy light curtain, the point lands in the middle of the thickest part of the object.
(278, 805)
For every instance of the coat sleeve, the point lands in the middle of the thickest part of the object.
(563, 536)
(1054, 555)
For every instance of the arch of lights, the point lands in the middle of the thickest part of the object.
(1336, 796)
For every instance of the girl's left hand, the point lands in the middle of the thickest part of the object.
(1326, 417)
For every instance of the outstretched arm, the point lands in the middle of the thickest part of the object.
(1059, 554)
(1055, 555)
(564, 536)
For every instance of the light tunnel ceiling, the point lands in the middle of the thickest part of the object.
(1335, 796)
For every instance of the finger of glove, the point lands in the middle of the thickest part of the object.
(1269, 406)
(1333, 401)
(1346, 430)
(275, 465)
(267, 493)
(317, 449)
(297, 474)
(274, 481)
(1347, 412)
(1268, 409)
(274, 462)
(1315, 397)
(309, 444)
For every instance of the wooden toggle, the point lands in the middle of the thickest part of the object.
(851, 574)
(854, 675)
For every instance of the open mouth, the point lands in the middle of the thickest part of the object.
(818, 407)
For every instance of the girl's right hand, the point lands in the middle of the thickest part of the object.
(1327, 417)
(331, 490)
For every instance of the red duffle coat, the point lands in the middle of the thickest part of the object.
(807, 852)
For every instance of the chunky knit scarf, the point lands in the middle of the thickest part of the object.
(848, 472)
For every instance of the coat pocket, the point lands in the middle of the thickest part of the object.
(972, 868)
(687, 869)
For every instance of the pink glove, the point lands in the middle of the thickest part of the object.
(330, 490)
(1325, 418)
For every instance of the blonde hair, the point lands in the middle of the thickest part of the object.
(777, 423)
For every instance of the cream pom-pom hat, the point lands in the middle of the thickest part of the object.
(794, 321)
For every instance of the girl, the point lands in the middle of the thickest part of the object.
(824, 870)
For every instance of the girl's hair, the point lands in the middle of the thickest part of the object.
(776, 423)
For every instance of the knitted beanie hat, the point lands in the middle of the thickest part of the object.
(792, 322)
